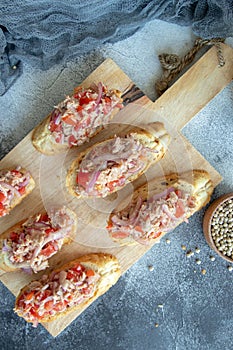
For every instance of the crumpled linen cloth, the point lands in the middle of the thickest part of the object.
(46, 32)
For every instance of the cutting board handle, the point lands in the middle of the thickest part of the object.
(131, 94)
(172, 64)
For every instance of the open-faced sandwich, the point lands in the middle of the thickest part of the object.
(29, 244)
(110, 165)
(160, 206)
(70, 287)
(15, 184)
(76, 119)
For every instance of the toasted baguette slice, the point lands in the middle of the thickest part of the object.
(107, 268)
(82, 125)
(196, 183)
(43, 140)
(16, 199)
(152, 137)
(67, 236)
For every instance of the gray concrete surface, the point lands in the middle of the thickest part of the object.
(196, 312)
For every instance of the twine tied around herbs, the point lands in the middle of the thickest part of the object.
(172, 64)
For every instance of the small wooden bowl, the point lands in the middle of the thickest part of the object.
(207, 220)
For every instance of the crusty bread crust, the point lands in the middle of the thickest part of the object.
(43, 140)
(6, 265)
(196, 182)
(28, 189)
(153, 136)
(106, 265)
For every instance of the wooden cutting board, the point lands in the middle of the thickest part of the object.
(175, 108)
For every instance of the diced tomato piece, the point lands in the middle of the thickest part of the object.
(112, 185)
(83, 178)
(120, 234)
(30, 295)
(21, 300)
(179, 209)
(110, 225)
(36, 306)
(72, 140)
(69, 275)
(16, 172)
(79, 108)
(52, 127)
(138, 228)
(85, 100)
(14, 236)
(2, 209)
(2, 197)
(86, 290)
(157, 234)
(119, 105)
(77, 267)
(22, 190)
(45, 294)
(178, 193)
(35, 314)
(107, 99)
(68, 119)
(55, 127)
(44, 218)
(90, 273)
(59, 306)
(49, 230)
(49, 250)
(59, 138)
(48, 305)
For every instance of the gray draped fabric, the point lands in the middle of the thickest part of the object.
(46, 32)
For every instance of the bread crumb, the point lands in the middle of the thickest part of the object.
(183, 247)
(168, 241)
(156, 325)
(203, 271)
(151, 268)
